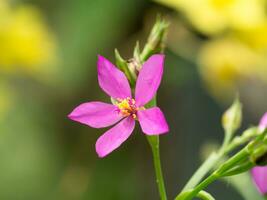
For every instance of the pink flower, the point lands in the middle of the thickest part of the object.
(127, 109)
(259, 174)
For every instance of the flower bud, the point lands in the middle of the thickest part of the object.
(123, 66)
(232, 117)
(155, 42)
(136, 53)
(134, 66)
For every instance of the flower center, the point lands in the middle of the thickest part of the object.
(127, 107)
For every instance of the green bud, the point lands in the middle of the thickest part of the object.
(134, 66)
(120, 62)
(123, 66)
(155, 42)
(136, 53)
(232, 117)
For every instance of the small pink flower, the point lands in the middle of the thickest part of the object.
(259, 174)
(99, 115)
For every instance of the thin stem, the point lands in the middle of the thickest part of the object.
(205, 196)
(205, 168)
(203, 185)
(202, 171)
(155, 45)
(213, 159)
(154, 143)
(241, 155)
(227, 139)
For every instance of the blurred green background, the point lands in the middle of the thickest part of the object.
(48, 54)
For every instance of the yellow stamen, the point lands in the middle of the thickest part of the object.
(127, 107)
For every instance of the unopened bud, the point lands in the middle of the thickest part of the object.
(123, 66)
(136, 53)
(232, 117)
(155, 42)
(134, 66)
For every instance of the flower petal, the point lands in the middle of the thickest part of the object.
(96, 114)
(149, 79)
(259, 175)
(152, 121)
(114, 137)
(263, 122)
(112, 80)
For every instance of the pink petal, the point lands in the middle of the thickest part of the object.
(112, 80)
(114, 137)
(259, 175)
(96, 114)
(152, 121)
(263, 122)
(149, 79)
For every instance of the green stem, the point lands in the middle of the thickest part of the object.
(154, 143)
(213, 159)
(227, 139)
(202, 171)
(155, 45)
(205, 196)
(241, 155)
(205, 168)
(201, 186)
(244, 138)
(202, 195)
